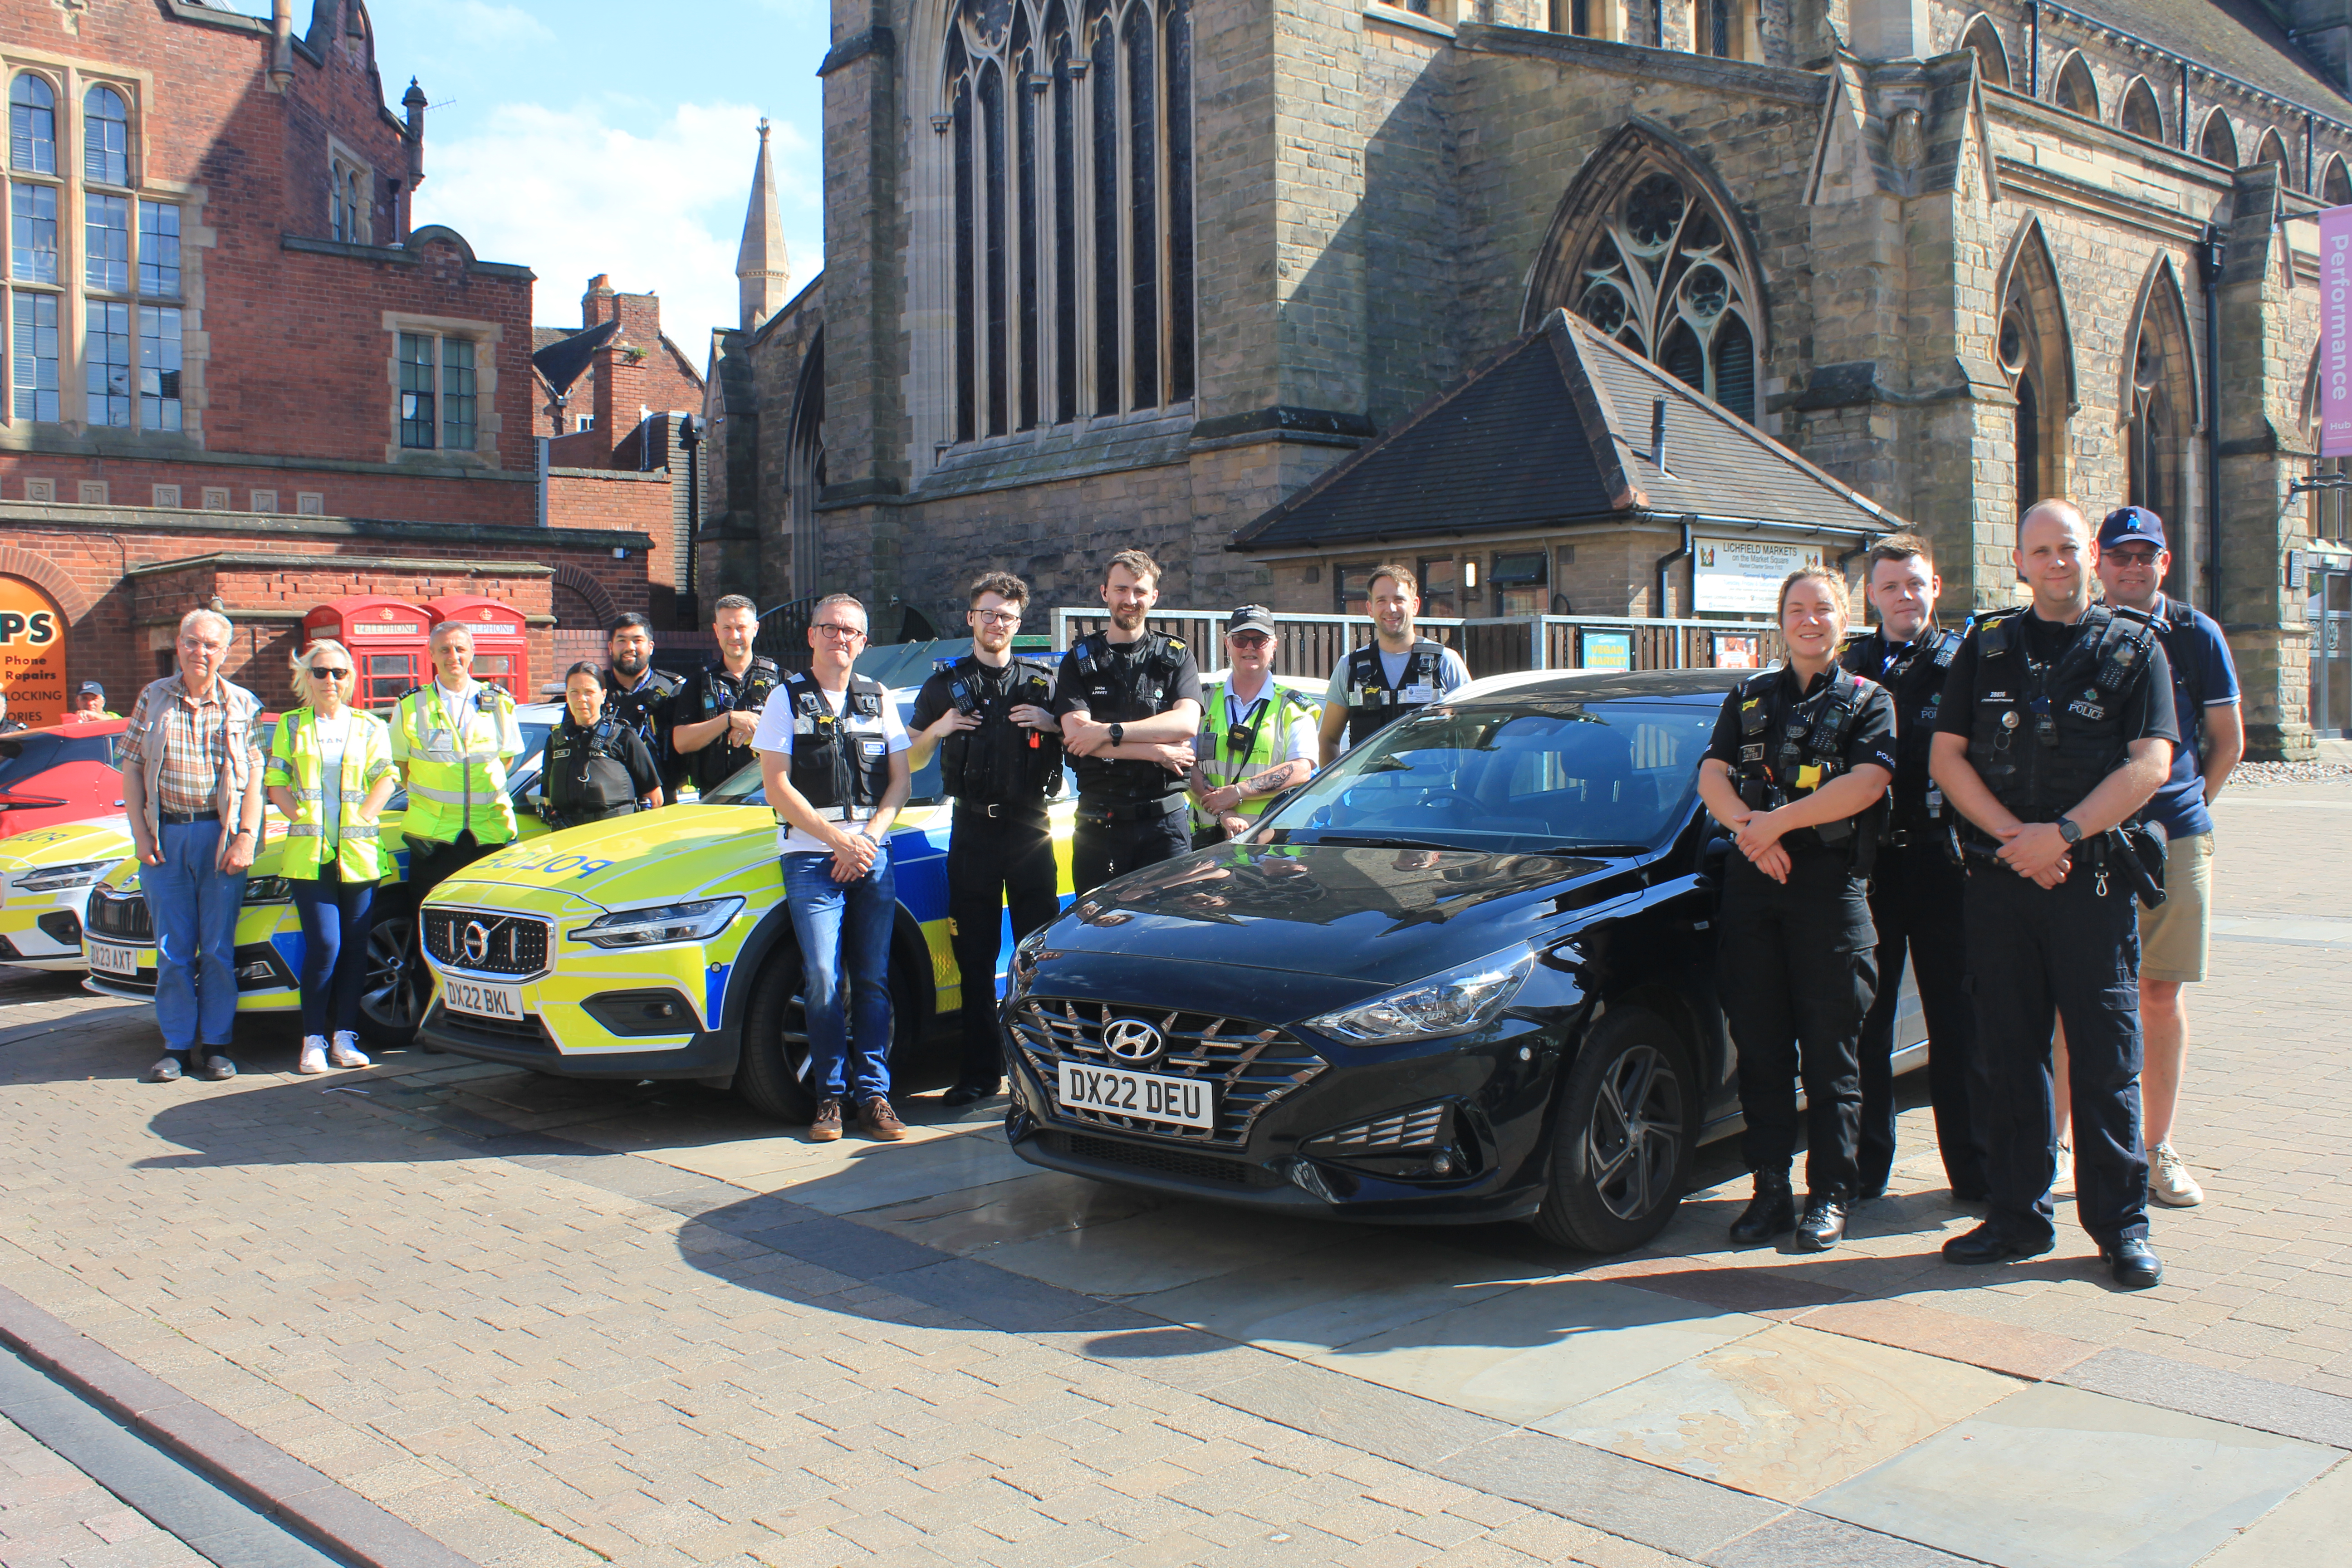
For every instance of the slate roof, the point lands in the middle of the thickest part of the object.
(563, 361)
(1554, 430)
(2240, 36)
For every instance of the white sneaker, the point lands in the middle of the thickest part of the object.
(314, 1056)
(2168, 1180)
(346, 1052)
(2064, 1177)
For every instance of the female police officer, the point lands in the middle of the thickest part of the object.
(596, 766)
(1800, 759)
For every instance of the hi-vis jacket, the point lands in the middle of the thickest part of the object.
(294, 765)
(455, 764)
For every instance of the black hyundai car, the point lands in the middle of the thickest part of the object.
(1465, 974)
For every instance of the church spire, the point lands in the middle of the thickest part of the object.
(762, 272)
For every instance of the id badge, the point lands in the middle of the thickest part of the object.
(873, 748)
(1420, 691)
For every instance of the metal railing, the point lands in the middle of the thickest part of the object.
(783, 633)
(1310, 645)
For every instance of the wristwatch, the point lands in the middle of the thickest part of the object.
(2069, 830)
(1119, 734)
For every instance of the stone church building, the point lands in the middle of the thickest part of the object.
(1104, 273)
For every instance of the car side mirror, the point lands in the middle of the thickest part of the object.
(1713, 854)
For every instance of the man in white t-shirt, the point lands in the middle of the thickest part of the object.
(832, 753)
(1391, 676)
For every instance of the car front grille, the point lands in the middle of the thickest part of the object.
(1167, 1162)
(516, 1035)
(1252, 1066)
(482, 942)
(119, 915)
(1424, 1127)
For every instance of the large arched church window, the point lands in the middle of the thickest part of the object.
(1662, 278)
(1072, 128)
(2032, 343)
(2159, 410)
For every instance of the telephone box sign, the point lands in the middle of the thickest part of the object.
(2335, 332)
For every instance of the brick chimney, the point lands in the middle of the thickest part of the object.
(621, 369)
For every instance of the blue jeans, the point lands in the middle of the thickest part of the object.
(193, 905)
(845, 933)
(335, 920)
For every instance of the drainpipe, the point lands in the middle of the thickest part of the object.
(281, 45)
(2208, 276)
(2033, 49)
(1665, 564)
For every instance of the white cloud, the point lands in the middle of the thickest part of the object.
(481, 23)
(610, 187)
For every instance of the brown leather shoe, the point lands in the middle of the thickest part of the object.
(827, 1125)
(880, 1121)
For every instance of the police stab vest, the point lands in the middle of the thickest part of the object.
(841, 765)
(1916, 680)
(721, 761)
(1787, 749)
(1120, 690)
(1372, 703)
(1002, 763)
(586, 773)
(2043, 736)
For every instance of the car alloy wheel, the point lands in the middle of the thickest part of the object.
(1634, 1141)
(392, 997)
(1623, 1136)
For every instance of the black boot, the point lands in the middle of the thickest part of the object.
(1824, 1225)
(1772, 1211)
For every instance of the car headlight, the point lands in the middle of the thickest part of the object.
(268, 891)
(696, 921)
(1453, 1002)
(54, 878)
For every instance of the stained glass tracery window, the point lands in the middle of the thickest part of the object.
(1663, 279)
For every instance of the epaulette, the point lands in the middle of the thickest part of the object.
(2124, 613)
(1175, 644)
(941, 665)
(410, 692)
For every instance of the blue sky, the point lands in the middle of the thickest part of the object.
(592, 136)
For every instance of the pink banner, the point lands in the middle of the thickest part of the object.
(2335, 332)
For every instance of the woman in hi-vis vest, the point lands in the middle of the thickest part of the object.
(329, 774)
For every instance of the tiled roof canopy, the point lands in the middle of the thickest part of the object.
(1554, 431)
(563, 361)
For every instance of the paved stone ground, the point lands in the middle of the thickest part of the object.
(51, 1513)
(550, 1322)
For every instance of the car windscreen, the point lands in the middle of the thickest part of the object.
(745, 788)
(22, 756)
(1511, 778)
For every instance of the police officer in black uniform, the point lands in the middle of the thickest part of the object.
(714, 715)
(989, 715)
(1915, 885)
(1129, 704)
(1798, 768)
(2060, 726)
(594, 767)
(638, 695)
(1398, 671)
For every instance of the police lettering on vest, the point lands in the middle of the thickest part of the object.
(840, 764)
(1789, 748)
(1914, 672)
(1002, 763)
(712, 693)
(1373, 703)
(2043, 735)
(1118, 689)
(586, 772)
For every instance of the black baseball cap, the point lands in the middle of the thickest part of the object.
(1251, 618)
(87, 687)
(2133, 523)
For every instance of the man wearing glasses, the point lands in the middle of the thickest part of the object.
(1000, 751)
(833, 756)
(1258, 738)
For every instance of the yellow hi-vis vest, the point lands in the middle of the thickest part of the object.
(456, 764)
(294, 765)
(1278, 708)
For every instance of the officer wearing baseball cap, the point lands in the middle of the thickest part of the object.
(89, 701)
(1257, 737)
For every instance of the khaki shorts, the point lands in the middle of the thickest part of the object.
(2174, 935)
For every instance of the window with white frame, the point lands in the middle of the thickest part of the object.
(1070, 129)
(123, 286)
(438, 391)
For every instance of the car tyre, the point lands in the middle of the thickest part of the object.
(772, 1074)
(393, 996)
(1622, 1141)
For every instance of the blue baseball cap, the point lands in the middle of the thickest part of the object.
(2135, 522)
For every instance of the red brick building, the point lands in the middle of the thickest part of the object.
(225, 341)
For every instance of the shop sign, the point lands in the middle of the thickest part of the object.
(2335, 332)
(32, 654)
(1744, 575)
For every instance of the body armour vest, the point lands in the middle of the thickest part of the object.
(1002, 763)
(1372, 703)
(1916, 678)
(840, 765)
(1120, 690)
(708, 698)
(1789, 748)
(586, 775)
(2043, 736)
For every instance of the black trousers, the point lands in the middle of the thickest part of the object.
(1916, 893)
(1796, 967)
(431, 863)
(1102, 850)
(1003, 863)
(2035, 956)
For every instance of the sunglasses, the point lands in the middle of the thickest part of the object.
(1250, 639)
(2136, 557)
(330, 674)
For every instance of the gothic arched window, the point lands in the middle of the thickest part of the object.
(2159, 410)
(1662, 278)
(2272, 150)
(2030, 343)
(1982, 39)
(2219, 144)
(32, 125)
(1073, 209)
(2142, 117)
(2076, 93)
(2336, 183)
(105, 137)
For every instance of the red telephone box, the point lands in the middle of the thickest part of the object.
(501, 652)
(386, 637)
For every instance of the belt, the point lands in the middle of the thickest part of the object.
(181, 818)
(1136, 811)
(999, 810)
